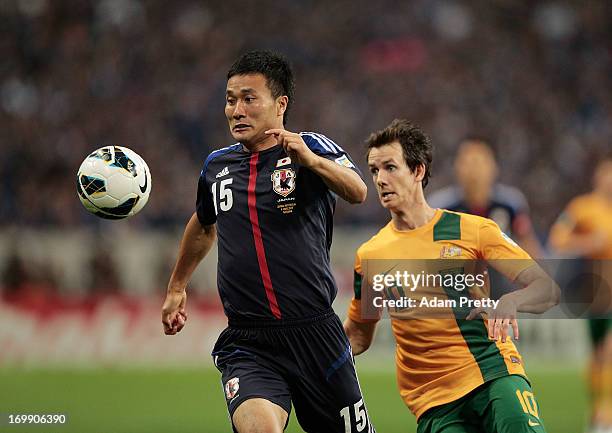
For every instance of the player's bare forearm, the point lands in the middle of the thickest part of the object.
(539, 292)
(341, 180)
(360, 335)
(196, 243)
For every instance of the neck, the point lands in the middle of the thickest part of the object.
(413, 215)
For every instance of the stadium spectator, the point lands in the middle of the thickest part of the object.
(76, 75)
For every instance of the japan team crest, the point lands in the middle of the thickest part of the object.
(283, 181)
(231, 387)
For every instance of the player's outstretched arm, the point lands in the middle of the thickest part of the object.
(341, 180)
(196, 243)
(360, 335)
(539, 292)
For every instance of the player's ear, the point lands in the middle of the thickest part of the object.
(419, 172)
(281, 105)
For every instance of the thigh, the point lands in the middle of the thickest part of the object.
(248, 374)
(334, 405)
(508, 405)
(325, 391)
(259, 415)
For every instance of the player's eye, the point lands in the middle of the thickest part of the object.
(230, 101)
(391, 168)
(374, 171)
(249, 99)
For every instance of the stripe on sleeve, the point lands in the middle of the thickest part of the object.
(317, 142)
(330, 142)
(217, 153)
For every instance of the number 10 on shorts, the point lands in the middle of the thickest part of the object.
(528, 402)
(361, 417)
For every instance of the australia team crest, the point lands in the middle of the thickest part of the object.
(283, 181)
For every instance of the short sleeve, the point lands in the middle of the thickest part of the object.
(205, 207)
(501, 251)
(354, 311)
(328, 149)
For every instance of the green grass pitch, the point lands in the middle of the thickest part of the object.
(183, 401)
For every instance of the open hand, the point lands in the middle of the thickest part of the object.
(499, 319)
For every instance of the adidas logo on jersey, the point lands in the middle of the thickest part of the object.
(223, 172)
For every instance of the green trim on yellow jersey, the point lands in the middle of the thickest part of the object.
(448, 227)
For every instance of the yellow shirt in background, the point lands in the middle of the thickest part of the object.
(589, 213)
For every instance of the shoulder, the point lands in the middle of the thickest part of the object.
(468, 221)
(481, 232)
(369, 247)
(580, 206)
(219, 152)
(582, 200)
(447, 197)
(510, 196)
(319, 142)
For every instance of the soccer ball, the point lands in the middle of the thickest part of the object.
(114, 182)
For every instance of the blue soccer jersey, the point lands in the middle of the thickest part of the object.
(274, 226)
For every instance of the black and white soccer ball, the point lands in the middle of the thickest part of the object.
(114, 182)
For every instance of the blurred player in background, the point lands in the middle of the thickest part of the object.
(478, 193)
(584, 230)
(270, 199)
(455, 375)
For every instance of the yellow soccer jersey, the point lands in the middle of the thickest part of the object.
(439, 360)
(589, 213)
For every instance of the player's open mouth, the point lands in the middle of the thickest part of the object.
(241, 127)
(386, 194)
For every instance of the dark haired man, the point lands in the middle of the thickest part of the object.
(477, 192)
(455, 375)
(270, 199)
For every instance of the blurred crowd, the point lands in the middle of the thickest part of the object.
(533, 76)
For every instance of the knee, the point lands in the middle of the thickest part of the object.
(260, 427)
(259, 416)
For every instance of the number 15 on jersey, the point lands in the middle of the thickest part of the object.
(225, 199)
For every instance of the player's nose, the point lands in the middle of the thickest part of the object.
(380, 179)
(239, 110)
